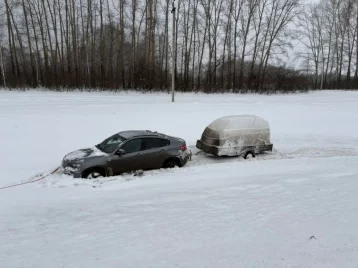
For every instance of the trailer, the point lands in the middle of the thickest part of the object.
(236, 135)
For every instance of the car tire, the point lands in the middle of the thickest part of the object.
(249, 155)
(93, 174)
(170, 163)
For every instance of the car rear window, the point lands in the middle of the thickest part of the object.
(151, 143)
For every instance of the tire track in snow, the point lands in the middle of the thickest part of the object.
(199, 159)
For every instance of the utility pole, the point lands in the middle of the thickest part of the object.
(322, 76)
(2, 66)
(173, 53)
(356, 73)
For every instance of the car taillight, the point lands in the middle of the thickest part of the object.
(183, 147)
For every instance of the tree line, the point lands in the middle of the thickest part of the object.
(221, 45)
(330, 31)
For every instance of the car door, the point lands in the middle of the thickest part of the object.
(130, 160)
(154, 152)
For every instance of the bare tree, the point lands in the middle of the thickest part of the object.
(111, 44)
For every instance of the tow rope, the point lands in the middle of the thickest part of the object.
(41, 178)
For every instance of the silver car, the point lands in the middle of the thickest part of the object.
(125, 152)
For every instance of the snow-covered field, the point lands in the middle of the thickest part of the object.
(294, 207)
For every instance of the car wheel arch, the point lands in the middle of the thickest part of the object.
(175, 159)
(103, 171)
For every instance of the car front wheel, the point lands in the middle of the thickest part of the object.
(93, 174)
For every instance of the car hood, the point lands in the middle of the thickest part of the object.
(83, 154)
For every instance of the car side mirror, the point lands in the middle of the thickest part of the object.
(120, 152)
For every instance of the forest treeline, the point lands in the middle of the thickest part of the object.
(221, 45)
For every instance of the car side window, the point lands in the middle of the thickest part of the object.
(132, 146)
(152, 143)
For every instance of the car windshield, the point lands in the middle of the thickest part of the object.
(110, 144)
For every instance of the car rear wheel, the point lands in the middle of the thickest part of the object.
(170, 163)
(249, 155)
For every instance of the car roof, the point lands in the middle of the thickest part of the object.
(128, 134)
(238, 122)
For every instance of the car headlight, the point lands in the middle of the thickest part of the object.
(72, 166)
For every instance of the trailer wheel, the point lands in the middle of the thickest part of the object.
(249, 155)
